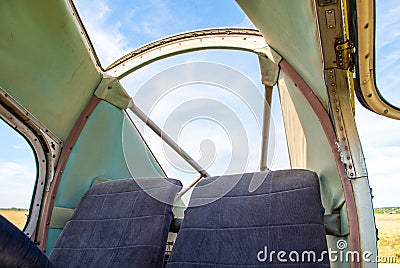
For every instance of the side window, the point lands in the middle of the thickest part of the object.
(17, 175)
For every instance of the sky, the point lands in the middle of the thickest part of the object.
(113, 33)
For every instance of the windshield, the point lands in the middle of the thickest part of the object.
(214, 110)
(387, 49)
(118, 27)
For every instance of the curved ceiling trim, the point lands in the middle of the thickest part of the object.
(226, 38)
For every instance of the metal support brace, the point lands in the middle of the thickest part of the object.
(164, 136)
(265, 129)
(269, 76)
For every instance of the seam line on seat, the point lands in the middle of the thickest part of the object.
(253, 227)
(257, 195)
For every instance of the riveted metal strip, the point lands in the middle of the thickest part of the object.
(346, 131)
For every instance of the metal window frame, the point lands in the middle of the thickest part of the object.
(46, 148)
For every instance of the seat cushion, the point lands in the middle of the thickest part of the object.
(260, 213)
(17, 250)
(121, 223)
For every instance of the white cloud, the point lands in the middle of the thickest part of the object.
(104, 30)
(387, 21)
(21, 147)
(381, 146)
(155, 19)
(17, 181)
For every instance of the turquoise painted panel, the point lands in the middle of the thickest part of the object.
(99, 152)
(52, 238)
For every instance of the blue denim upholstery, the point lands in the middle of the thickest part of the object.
(284, 213)
(17, 250)
(118, 224)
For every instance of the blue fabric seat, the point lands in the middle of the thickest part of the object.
(257, 214)
(17, 250)
(122, 223)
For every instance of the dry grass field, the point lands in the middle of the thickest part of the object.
(389, 235)
(18, 217)
(388, 225)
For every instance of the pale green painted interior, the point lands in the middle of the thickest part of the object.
(52, 238)
(319, 155)
(290, 28)
(45, 65)
(98, 152)
(47, 68)
(60, 217)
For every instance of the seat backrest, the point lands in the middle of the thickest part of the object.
(121, 223)
(247, 224)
